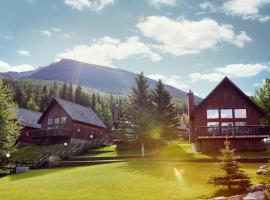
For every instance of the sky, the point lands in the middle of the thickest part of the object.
(189, 44)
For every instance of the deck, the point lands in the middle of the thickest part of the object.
(220, 132)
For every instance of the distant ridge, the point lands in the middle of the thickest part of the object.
(105, 79)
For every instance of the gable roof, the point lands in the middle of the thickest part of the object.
(226, 80)
(77, 112)
(28, 118)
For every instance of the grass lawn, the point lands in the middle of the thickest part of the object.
(178, 151)
(130, 180)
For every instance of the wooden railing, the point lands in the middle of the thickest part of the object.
(51, 132)
(233, 131)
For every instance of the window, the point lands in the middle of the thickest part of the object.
(56, 120)
(212, 114)
(240, 123)
(63, 120)
(50, 121)
(212, 124)
(227, 124)
(240, 113)
(226, 113)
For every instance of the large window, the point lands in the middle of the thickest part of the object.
(240, 123)
(240, 113)
(226, 113)
(212, 114)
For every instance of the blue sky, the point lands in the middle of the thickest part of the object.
(188, 44)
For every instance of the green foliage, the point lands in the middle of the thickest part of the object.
(149, 114)
(9, 128)
(166, 117)
(233, 177)
(262, 99)
(32, 105)
(64, 92)
(139, 114)
(37, 95)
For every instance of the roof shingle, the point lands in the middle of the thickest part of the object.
(28, 118)
(80, 113)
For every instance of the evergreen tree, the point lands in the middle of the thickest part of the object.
(53, 90)
(262, 99)
(94, 101)
(32, 105)
(140, 112)
(78, 94)
(9, 128)
(64, 92)
(167, 121)
(107, 117)
(233, 176)
(70, 92)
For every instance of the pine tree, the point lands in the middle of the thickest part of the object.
(139, 113)
(9, 128)
(64, 92)
(32, 105)
(70, 92)
(78, 94)
(167, 121)
(262, 99)
(233, 176)
(94, 101)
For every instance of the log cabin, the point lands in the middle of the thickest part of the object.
(64, 121)
(28, 119)
(227, 112)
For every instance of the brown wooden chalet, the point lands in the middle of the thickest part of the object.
(64, 121)
(226, 112)
(29, 121)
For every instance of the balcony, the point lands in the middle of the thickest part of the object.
(250, 131)
(51, 133)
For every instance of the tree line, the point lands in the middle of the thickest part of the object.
(37, 95)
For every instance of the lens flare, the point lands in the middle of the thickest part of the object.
(179, 176)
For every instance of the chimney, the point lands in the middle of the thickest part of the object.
(190, 102)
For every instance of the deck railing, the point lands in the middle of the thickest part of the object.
(233, 131)
(51, 132)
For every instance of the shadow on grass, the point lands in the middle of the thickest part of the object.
(36, 173)
(226, 192)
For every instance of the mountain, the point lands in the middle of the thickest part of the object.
(105, 79)
(25, 74)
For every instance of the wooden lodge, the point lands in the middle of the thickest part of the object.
(226, 112)
(64, 121)
(28, 119)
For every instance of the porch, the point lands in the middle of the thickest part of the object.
(248, 131)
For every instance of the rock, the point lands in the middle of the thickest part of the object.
(258, 187)
(264, 167)
(255, 196)
(236, 197)
(220, 198)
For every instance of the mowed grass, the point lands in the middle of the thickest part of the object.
(177, 151)
(138, 180)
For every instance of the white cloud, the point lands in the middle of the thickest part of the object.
(46, 33)
(247, 9)
(208, 6)
(23, 52)
(162, 2)
(96, 5)
(106, 50)
(56, 29)
(5, 67)
(173, 80)
(182, 37)
(233, 70)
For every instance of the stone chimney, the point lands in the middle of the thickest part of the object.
(190, 102)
